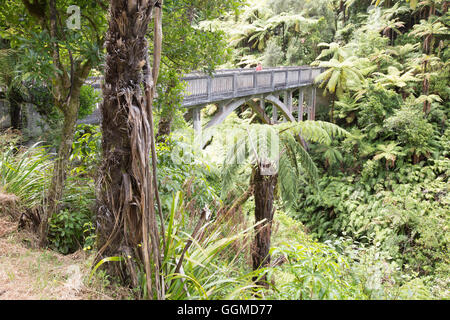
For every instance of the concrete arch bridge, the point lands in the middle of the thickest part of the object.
(229, 89)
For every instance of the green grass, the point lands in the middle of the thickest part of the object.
(23, 173)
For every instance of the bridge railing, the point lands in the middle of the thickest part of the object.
(233, 83)
(226, 84)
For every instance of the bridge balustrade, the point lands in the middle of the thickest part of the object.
(224, 86)
(235, 83)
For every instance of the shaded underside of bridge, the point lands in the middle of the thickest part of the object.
(232, 88)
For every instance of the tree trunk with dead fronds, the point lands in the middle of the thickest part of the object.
(126, 218)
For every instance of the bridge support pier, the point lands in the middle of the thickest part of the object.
(300, 105)
(288, 102)
(310, 107)
(274, 114)
(285, 106)
(312, 110)
(197, 120)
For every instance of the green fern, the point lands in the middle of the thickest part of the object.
(254, 144)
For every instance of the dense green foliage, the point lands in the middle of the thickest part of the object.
(385, 186)
(277, 32)
(362, 213)
(389, 186)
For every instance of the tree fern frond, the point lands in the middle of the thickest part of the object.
(233, 162)
(8, 60)
(249, 145)
(314, 131)
(332, 129)
(288, 180)
(295, 167)
(307, 164)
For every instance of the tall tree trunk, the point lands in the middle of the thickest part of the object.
(432, 10)
(126, 216)
(264, 186)
(67, 100)
(15, 99)
(66, 92)
(56, 189)
(425, 89)
(342, 9)
(15, 111)
(425, 84)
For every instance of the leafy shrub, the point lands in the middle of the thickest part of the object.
(25, 174)
(86, 149)
(180, 168)
(88, 101)
(401, 214)
(317, 271)
(411, 129)
(8, 139)
(72, 228)
(377, 105)
(66, 230)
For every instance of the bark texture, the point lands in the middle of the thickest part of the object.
(126, 220)
(264, 186)
(164, 127)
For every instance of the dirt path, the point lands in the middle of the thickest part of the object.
(29, 273)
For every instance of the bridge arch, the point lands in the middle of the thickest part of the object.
(257, 104)
(226, 108)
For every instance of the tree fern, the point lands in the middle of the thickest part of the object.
(253, 144)
(248, 146)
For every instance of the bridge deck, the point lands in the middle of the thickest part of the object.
(202, 89)
(237, 83)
